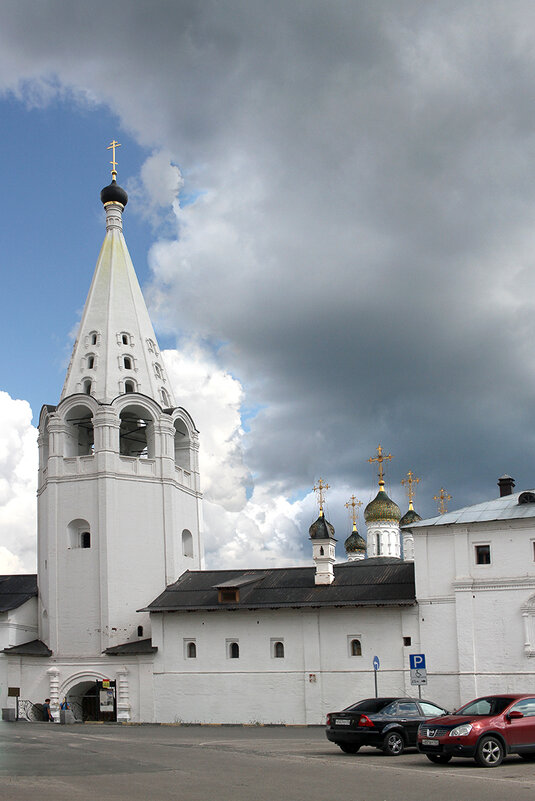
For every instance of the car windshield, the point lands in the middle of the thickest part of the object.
(370, 705)
(493, 705)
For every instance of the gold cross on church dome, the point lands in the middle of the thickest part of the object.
(113, 163)
(320, 490)
(442, 497)
(380, 458)
(408, 483)
(355, 509)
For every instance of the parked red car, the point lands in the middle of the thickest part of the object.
(486, 729)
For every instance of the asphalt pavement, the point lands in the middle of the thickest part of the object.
(111, 762)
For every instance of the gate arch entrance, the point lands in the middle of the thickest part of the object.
(93, 700)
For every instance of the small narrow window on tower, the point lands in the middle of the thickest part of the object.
(125, 339)
(165, 398)
(127, 361)
(90, 362)
(158, 371)
(140, 631)
(93, 337)
(378, 544)
(87, 387)
(85, 539)
(129, 386)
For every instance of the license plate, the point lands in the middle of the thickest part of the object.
(430, 742)
(342, 722)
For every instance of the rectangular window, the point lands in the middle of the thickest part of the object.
(482, 554)
(533, 550)
(407, 641)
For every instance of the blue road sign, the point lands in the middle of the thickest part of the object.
(417, 661)
(376, 663)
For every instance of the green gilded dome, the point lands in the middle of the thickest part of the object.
(409, 517)
(382, 509)
(355, 543)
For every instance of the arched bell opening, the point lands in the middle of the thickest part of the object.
(182, 445)
(136, 433)
(80, 435)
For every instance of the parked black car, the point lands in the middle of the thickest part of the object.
(390, 724)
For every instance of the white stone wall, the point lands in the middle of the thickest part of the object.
(135, 510)
(16, 627)
(316, 675)
(473, 617)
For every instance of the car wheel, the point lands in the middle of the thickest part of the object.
(393, 743)
(489, 752)
(349, 748)
(439, 759)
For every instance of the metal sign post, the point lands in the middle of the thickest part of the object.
(418, 671)
(376, 666)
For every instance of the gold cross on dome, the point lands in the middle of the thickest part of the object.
(408, 482)
(320, 489)
(113, 163)
(442, 497)
(355, 509)
(380, 458)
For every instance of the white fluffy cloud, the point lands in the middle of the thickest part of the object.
(18, 484)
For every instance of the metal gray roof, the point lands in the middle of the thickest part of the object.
(33, 648)
(506, 508)
(16, 590)
(132, 648)
(371, 582)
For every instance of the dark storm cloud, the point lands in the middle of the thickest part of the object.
(363, 245)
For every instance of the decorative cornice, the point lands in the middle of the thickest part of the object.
(511, 583)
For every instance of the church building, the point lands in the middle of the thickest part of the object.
(124, 621)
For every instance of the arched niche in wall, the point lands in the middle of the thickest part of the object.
(78, 534)
(187, 544)
(79, 438)
(136, 433)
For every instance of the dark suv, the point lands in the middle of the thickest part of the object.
(486, 729)
(387, 723)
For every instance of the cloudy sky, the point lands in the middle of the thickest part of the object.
(332, 217)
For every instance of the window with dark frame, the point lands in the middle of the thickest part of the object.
(482, 554)
(191, 650)
(85, 539)
(356, 648)
(234, 650)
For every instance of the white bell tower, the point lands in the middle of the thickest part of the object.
(119, 501)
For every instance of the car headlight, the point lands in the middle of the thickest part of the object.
(461, 731)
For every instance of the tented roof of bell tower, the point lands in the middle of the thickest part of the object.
(116, 350)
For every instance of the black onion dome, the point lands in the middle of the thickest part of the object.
(355, 543)
(409, 517)
(382, 509)
(113, 193)
(321, 529)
